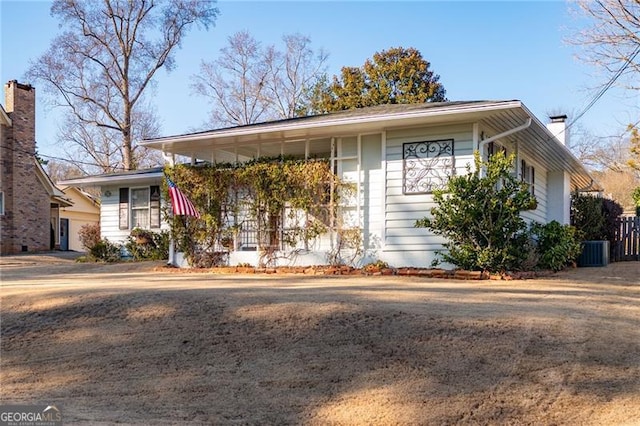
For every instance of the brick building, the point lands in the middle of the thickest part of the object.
(29, 201)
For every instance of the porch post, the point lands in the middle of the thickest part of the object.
(172, 252)
(171, 160)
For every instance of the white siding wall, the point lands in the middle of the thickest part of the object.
(405, 245)
(558, 188)
(540, 213)
(109, 223)
(109, 215)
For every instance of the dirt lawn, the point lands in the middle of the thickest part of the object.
(127, 344)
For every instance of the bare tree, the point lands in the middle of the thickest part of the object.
(234, 83)
(597, 152)
(608, 158)
(61, 170)
(249, 83)
(612, 38)
(293, 75)
(101, 65)
(618, 185)
(90, 148)
(94, 149)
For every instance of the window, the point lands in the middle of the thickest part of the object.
(528, 176)
(494, 148)
(427, 165)
(1, 203)
(124, 208)
(139, 207)
(154, 206)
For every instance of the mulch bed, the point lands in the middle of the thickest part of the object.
(457, 274)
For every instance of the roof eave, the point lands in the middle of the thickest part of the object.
(581, 179)
(329, 122)
(113, 180)
(47, 183)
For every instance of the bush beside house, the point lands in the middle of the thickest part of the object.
(596, 220)
(480, 215)
(141, 245)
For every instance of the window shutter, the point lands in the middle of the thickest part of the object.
(533, 180)
(154, 204)
(124, 208)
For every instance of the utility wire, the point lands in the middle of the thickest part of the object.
(51, 157)
(606, 87)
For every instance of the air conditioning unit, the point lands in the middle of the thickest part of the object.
(594, 253)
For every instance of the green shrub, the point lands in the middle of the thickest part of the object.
(557, 245)
(586, 216)
(480, 217)
(105, 251)
(143, 244)
(98, 250)
(595, 217)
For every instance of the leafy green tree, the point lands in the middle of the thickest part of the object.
(394, 76)
(479, 214)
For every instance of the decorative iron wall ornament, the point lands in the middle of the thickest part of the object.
(427, 165)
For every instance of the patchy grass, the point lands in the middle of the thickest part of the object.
(127, 344)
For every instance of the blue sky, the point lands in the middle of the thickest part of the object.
(481, 50)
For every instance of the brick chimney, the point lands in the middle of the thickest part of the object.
(558, 128)
(26, 223)
(20, 104)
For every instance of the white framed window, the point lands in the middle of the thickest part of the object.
(1, 203)
(139, 207)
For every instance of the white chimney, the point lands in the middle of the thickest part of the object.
(558, 128)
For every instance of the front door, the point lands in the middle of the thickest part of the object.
(64, 234)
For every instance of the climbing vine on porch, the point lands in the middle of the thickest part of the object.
(289, 202)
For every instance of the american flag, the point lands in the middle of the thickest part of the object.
(182, 206)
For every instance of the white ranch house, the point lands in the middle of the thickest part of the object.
(395, 154)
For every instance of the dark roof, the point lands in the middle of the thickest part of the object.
(351, 113)
(118, 174)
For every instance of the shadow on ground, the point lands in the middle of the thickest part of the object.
(292, 350)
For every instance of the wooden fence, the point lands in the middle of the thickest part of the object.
(627, 245)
